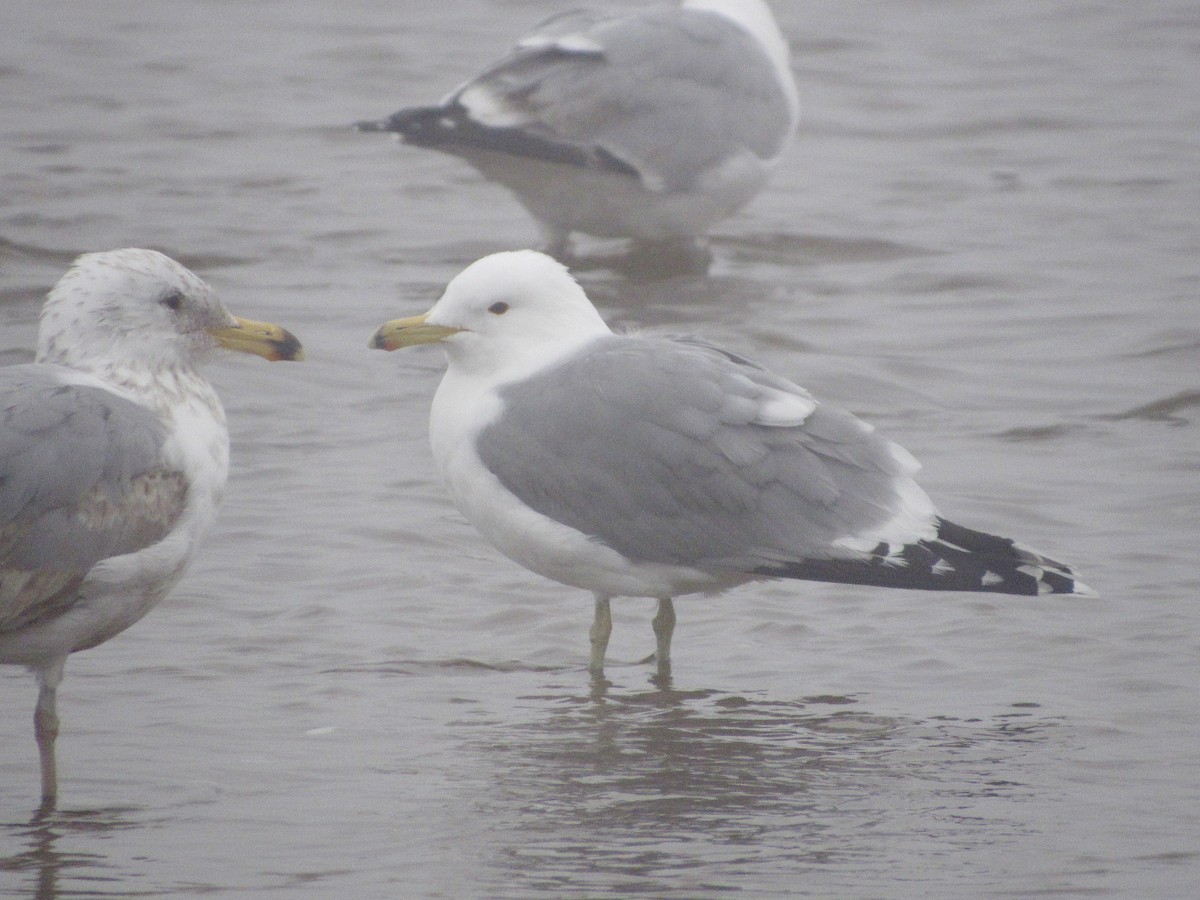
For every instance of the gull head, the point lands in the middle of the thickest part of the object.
(140, 309)
(502, 311)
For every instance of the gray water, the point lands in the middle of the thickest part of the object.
(983, 240)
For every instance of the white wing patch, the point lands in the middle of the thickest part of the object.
(913, 519)
(907, 461)
(488, 108)
(783, 410)
(568, 43)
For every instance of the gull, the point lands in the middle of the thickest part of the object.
(655, 466)
(113, 459)
(652, 125)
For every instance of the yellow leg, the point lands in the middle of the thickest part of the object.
(664, 627)
(45, 729)
(599, 633)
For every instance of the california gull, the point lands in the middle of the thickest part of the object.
(637, 465)
(652, 125)
(113, 459)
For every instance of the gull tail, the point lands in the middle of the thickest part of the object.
(957, 559)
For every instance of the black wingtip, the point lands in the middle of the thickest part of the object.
(372, 125)
(452, 129)
(957, 559)
(416, 124)
(1006, 566)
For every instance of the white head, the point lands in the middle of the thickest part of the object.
(503, 315)
(138, 309)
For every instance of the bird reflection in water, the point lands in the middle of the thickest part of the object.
(637, 787)
(48, 866)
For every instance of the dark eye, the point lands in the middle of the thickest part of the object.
(172, 301)
(498, 308)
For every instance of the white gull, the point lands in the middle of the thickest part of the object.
(633, 465)
(652, 125)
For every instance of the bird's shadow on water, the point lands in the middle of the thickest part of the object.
(46, 861)
(637, 789)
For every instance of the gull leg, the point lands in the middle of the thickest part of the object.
(664, 627)
(599, 632)
(45, 729)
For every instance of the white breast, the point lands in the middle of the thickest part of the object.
(462, 408)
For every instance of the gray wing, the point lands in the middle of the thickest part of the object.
(81, 479)
(663, 95)
(657, 448)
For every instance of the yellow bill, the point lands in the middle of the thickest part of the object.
(408, 332)
(260, 338)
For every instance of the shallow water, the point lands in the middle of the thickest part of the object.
(983, 240)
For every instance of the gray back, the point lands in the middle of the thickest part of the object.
(650, 445)
(653, 85)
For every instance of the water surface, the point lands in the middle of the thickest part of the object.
(983, 240)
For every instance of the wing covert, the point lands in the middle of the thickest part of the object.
(657, 447)
(81, 479)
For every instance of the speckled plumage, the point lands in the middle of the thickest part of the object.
(113, 459)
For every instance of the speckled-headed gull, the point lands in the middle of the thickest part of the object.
(652, 125)
(113, 459)
(636, 465)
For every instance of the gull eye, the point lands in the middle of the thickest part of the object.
(498, 308)
(172, 301)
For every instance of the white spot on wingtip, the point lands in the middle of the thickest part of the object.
(992, 578)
